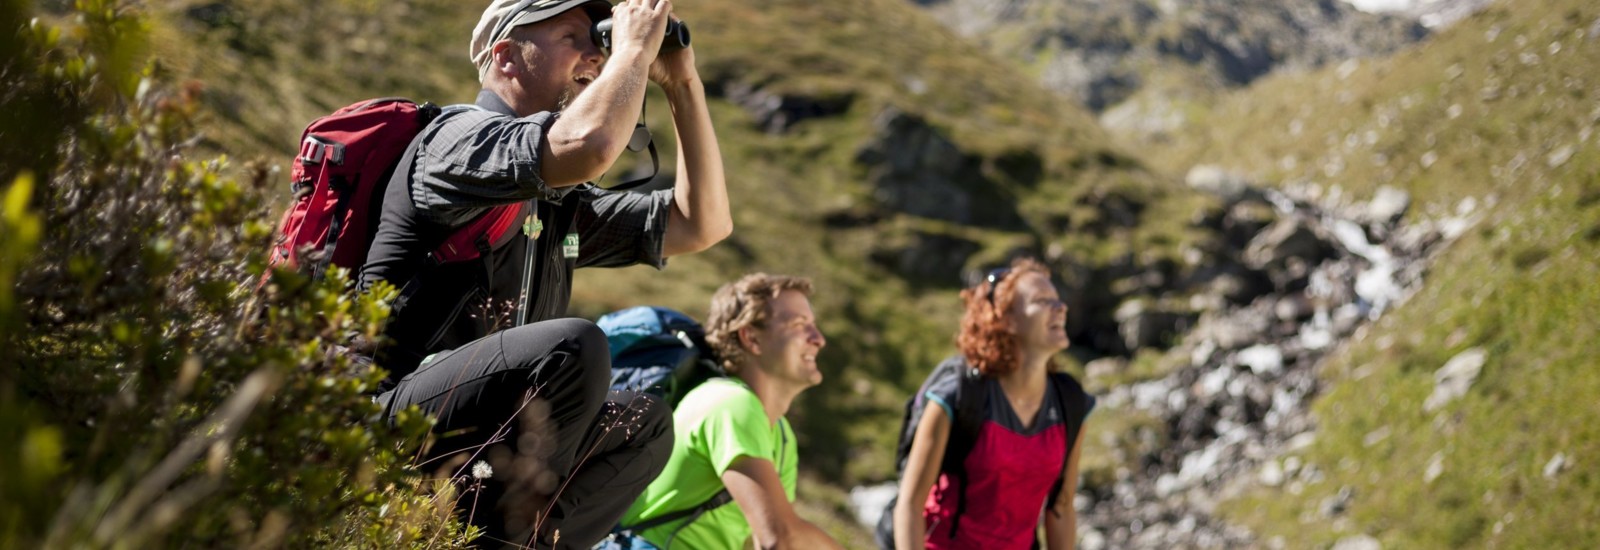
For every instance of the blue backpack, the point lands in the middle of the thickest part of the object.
(659, 351)
(662, 352)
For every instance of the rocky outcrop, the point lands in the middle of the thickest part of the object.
(1101, 52)
(1234, 409)
(776, 112)
(925, 257)
(915, 169)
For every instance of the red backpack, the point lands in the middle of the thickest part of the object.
(346, 160)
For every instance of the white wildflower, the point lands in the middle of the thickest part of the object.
(481, 470)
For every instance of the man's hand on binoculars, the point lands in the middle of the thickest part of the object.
(674, 67)
(639, 24)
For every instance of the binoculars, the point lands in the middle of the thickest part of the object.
(677, 36)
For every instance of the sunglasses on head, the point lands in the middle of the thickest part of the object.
(993, 280)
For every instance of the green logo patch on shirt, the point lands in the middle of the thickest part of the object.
(532, 227)
(569, 246)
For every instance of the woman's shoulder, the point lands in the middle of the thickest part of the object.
(1073, 398)
(949, 377)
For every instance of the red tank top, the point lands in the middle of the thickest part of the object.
(1009, 475)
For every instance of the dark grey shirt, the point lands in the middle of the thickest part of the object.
(472, 160)
(466, 162)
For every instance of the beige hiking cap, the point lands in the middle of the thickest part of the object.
(504, 15)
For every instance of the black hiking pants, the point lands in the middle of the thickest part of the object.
(534, 402)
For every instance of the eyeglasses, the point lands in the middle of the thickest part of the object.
(993, 279)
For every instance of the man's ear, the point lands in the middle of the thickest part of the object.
(503, 58)
(747, 340)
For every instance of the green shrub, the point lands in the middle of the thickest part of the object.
(158, 398)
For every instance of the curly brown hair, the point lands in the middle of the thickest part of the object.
(744, 303)
(987, 339)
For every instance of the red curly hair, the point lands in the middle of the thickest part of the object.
(986, 338)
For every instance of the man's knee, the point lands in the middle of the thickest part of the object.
(578, 343)
(652, 420)
(594, 357)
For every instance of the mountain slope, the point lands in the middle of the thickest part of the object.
(875, 151)
(1498, 115)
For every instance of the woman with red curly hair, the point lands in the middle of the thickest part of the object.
(1004, 444)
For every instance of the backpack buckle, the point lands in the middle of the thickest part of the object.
(315, 148)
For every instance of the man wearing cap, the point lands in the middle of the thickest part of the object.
(474, 343)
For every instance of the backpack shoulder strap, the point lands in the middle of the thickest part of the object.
(1075, 405)
(971, 397)
(917, 404)
(717, 500)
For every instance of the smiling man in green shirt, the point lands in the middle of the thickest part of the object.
(730, 433)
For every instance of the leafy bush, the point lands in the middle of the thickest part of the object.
(158, 399)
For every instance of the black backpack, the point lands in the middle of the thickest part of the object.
(662, 352)
(970, 399)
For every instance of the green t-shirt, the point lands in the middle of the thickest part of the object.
(717, 422)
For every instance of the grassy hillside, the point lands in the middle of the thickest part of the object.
(1496, 115)
(875, 151)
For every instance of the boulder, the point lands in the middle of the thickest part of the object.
(1435, 467)
(1262, 359)
(915, 169)
(1386, 206)
(1455, 378)
(775, 113)
(1358, 542)
(1354, 240)
(1105, 367)
(1214, 180)
(1093, 540)
(1244, 220)
(925, 257)
(868, 501)
(1288, 238)
(1224, 282)
(1335, 505)
(1271, 474)
(1555, 465)
(1144, 326)
(1377, 286)
(1231, 331)
(1294, 307)
(1213, 382)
